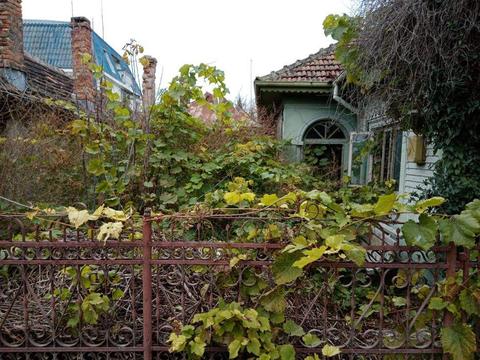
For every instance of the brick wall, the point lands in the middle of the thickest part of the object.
(11, 34)
(83, 83)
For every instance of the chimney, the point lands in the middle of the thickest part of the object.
(149, 69)
(11, 42)
(83, 82)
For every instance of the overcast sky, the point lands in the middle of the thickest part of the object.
(224, 33)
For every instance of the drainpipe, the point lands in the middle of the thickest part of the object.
(338, 98)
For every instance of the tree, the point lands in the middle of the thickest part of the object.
(422, 59)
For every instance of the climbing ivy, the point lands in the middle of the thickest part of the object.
(420, 59)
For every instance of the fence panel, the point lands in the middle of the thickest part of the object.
(65, 295)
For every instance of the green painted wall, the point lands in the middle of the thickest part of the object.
(299, 115)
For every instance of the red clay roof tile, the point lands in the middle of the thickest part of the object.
(319, 67)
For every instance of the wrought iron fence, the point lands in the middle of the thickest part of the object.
(158, 278)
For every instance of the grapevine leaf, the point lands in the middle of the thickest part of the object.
(330, 350)
(311, 255)
(287, 352)
(268, 200)
(96, 167)
(421, 234)
(110, 230)
(283, 269)
(311, 340)
(232, 198)
(469, 303)
(292, 329)
(77, 218)
(437, 303)
(423, 205)
(116, 215)
(177, 342)
(459, 341)
(385, 204)
(461, 229)
(274, 301)
(253, 346)
(234, 348)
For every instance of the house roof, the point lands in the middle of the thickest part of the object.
(320, 67)
(46, 80)
(51, 42)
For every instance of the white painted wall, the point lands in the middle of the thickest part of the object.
(413, 176)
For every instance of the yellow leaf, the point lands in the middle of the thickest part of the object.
(117, 215)
(330, 350)
(77, 218)
(110, 230)
(232, 197)
(268, 200)
(97, 213)
(236, 259)
(249, 196)
(31, 214)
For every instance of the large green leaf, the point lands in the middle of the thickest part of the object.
(253, 346)
(385, 204)
(459, 341)
(287, 352)
(283, 269)
(422, 234)
(311, 340)
(311, 255)
(96, 167)
(234, 348)
(293, 329)
(274, 301)
(469, 302)
(423, 205)
(461, 229)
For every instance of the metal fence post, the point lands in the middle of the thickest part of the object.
(451, 271)
(147, 285)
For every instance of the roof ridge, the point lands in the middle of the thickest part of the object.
(44, 22)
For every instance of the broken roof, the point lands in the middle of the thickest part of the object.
(320, 67)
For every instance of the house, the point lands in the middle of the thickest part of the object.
(312, 110)
(209, 117)
(44, 59)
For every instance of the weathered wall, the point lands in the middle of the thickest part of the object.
(11, 34)
(299, 115)
(414, 175)
(83, 85)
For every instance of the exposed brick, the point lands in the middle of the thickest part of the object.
(11, 34)
(83, 84)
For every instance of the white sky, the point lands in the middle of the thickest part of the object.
(224, 33)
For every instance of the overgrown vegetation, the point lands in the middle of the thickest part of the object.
(175, 162)
(421, 58)
(169, 164)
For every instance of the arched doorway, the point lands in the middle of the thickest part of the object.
(324, 146)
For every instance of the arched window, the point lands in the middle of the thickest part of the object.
(324, 130)
(324, 147)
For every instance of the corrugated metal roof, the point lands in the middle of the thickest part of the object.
(51, 42)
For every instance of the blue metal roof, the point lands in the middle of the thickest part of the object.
(51, 42)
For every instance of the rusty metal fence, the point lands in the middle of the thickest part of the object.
(159, 277)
